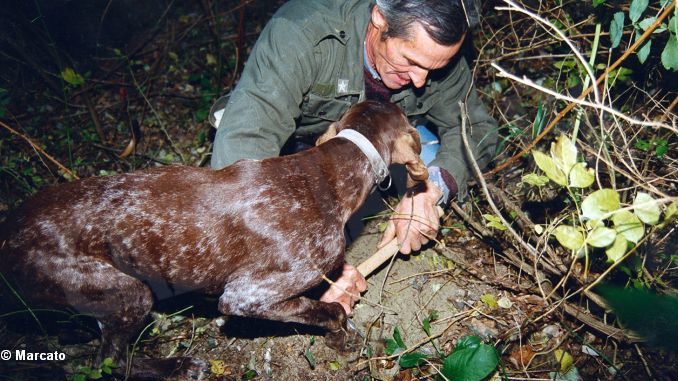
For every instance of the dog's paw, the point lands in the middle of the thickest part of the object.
(344, 340)
(190, 368)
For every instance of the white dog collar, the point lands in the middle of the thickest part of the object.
(379, 167)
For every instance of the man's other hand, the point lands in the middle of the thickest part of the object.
(416, 219)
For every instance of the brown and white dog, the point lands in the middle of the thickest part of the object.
(260, 233)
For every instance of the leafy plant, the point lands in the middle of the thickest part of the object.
(660, 146)
(669, 55)
(572, 72)
(601, 221)
(494, 222)
(71, 77)
(309, 355)
(470, 360)
(87, 373)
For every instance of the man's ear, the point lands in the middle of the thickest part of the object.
(329, 134)
(378, 19)
(407, 150)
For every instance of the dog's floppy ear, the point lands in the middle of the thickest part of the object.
(407, 150)
(329, 134)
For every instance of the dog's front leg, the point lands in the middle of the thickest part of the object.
(330, 316)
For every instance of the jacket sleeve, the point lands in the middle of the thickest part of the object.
(481, 127)
(260, 114)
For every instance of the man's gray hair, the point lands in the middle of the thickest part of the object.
(445, 21)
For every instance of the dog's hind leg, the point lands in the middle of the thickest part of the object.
(119, 302)
(122, 313)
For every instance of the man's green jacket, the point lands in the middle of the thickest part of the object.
(306, 69)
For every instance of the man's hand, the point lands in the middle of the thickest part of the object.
(415, 221)
(351, 282)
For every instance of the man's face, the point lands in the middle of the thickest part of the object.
(400, 62)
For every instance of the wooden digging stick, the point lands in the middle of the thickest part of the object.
(382, 255)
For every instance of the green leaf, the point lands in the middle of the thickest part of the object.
(622, 74)
(410, 360)
(470, 363)
(398, 339)
(670, 53)
(642, 145)
(79, 377)
(564, 153)
(616, 29)
(648, 21)
(426, 323)
(539, 120)
(467, 342)
(599, 203)
(565, 359)
(535, 180)
(569, 236)
(549, 167)
(644, 51)
(592, 224)
(598, 2)
(249, 374)
(494, 222)
(646, 208)
(580, 176)
(601, 237)
(671, 211)
(71, 77)
(109, 363)
(637, 9)
(395, 345)
(618, 249)
(489, 300)
(309, 357)
(391, 347)
(572, 80)
(628, 225)
(566, 64)
(334, 365)
(661, 147)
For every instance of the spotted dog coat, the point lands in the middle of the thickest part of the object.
(260, 233)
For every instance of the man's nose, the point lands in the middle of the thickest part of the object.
(418, 76)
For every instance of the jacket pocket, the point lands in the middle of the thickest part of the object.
(318, 107)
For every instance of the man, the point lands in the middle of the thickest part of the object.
(317, 57)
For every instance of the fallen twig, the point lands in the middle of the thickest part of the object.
(62, 168)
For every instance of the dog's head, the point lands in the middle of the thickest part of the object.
(388, 129)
